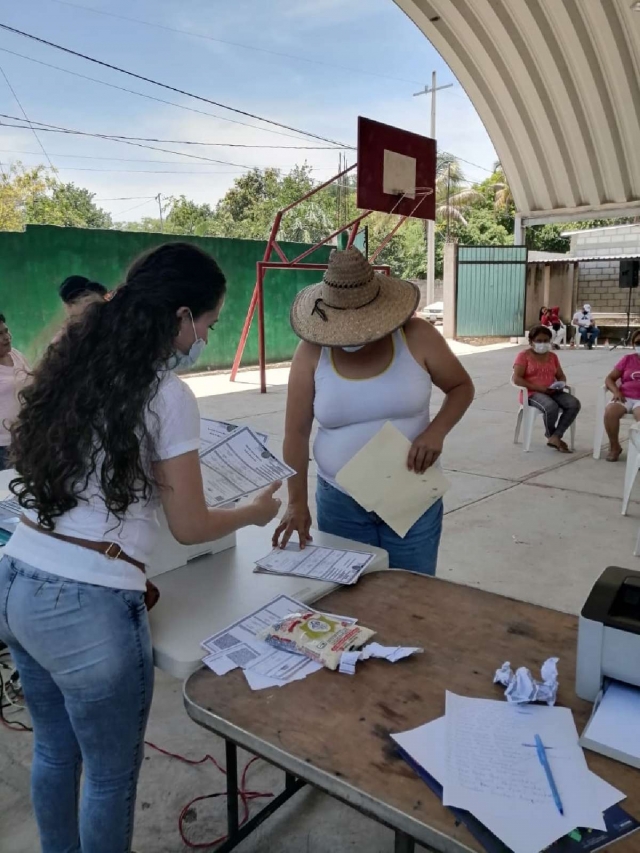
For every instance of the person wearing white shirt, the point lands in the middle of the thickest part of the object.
(106, 435)
(587, 329)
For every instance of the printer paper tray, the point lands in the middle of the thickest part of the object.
(614, 726)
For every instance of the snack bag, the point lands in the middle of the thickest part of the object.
(321, 638)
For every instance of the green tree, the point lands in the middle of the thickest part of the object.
(188, 217)
(36, 196)
(67, 205)
(18, 187)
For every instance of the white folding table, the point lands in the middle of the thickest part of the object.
(212, 591)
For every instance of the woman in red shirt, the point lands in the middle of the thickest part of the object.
(550, 317)
(538, 371)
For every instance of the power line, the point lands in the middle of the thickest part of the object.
(26, 117)
(128, 198)
(115, 159)
(149, 97)
(207, 144)
(43, 127)
(235, 43)
(167, 86)
(135, 207)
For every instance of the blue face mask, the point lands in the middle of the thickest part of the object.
(184, 360)
(353, 349)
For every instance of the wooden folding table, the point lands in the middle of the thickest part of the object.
(332, 731)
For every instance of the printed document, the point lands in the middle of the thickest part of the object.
(239, 646)
(212, 431)
(239, 465)
(377, 477)
(327, 564)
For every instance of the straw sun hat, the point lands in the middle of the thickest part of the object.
(353, 304)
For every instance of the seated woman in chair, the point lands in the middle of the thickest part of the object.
(538, 371)
(624, 384)
(550, 318)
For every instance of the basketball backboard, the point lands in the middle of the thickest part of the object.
(396, 170)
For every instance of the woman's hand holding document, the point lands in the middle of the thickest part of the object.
(237, 466)
(379, 479)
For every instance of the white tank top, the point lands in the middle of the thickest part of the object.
(350, 412)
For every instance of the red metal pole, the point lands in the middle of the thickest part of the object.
(279, 251)
(387, 238)
(271, 243)
(258, 294)
(244, 334)
(262, 352)
(317, 189)
(355, 221)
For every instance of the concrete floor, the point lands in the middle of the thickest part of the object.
(537, 526)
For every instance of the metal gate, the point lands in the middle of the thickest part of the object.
(491, 285)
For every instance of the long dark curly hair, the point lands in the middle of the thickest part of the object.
(84, 412)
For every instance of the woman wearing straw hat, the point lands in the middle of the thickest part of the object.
(364, 360)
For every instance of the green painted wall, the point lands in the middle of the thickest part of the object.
(491, 291)
(33, 263)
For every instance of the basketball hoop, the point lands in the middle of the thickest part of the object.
(396, 175)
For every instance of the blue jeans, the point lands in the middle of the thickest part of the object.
(339, 514)
(589, 335)
(84, 657)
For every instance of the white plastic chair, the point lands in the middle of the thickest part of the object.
(598, 435)
(577, 339)
(632, 467)
(526, 419)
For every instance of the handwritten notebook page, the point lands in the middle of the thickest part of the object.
(492, 766)
(427, 746)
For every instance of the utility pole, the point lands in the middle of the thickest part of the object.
(431, 245)
(159, 200)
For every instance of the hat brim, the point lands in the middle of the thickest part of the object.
(396, 303)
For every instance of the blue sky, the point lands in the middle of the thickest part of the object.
(390, 57)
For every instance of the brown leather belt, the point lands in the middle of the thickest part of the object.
(110, 550)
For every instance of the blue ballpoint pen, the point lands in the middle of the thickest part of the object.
(542, 755)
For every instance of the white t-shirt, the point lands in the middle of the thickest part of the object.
(12, 381)
(173, 420)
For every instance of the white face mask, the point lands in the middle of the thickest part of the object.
(541, 348)
(637, 349)
(185, 360)
(353, 349)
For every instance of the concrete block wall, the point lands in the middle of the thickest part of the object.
(598, 280)
(422, 284)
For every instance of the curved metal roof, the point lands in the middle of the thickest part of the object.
(557, 86)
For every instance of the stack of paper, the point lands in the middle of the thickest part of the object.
(377, 477)
(263, 666)
(10, 512)
(483, 754)
(614, 727)
(239, 465)
(327, 564)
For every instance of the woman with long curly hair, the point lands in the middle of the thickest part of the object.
(107, 433)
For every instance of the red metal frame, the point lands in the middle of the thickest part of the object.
(257, 298)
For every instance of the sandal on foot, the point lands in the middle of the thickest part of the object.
(561, 448)
(614, 455)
